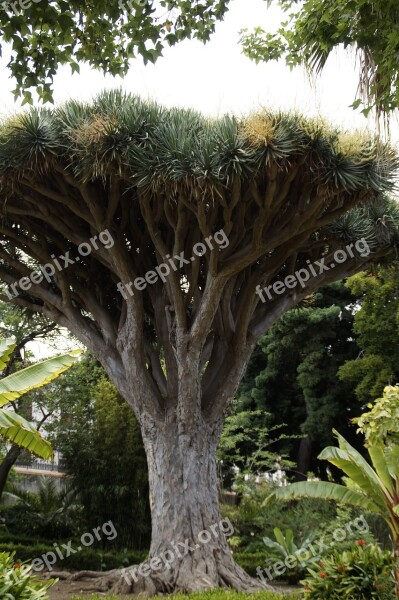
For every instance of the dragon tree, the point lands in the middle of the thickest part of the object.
(168, 243)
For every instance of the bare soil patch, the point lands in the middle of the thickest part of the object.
(65, 590)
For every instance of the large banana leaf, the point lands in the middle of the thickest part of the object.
(356, 457)
(326, 491)
(16, 429)
(35, 376)
(370, 485)
(380, 464)
(7, 345)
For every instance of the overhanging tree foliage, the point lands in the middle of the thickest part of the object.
(275, 190)
(315, 28)
(45, 34)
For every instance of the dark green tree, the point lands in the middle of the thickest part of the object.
(179, 222)
(292, 375)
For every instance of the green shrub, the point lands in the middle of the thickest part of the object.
(249, 561)
(362, 573)
(17, 582)
(91, 559)
(23, 520)
(7, 537)
(252, 522)
(345, 523)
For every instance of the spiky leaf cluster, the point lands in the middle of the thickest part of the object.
(159, 148)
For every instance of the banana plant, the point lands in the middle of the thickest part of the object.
(13, 427)
(376, 487)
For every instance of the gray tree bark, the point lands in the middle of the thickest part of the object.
(189, 550)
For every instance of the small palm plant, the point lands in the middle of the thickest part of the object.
(13, 427)
(284, 547)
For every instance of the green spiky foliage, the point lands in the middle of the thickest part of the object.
(17, 580)
(280, 164)
(265, 172)
(274, 192)
(45, 34)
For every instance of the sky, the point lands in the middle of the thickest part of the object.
(217, 78)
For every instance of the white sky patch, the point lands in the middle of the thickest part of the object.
(43, 349)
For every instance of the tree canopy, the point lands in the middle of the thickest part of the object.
(314, 29)
(45, 34)
(92, 163)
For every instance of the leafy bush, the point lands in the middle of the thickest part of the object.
(252, 522)
(250, 561)
(362, 573)
(17, 582)
(349, 525)
(25, 519)
(6, 537)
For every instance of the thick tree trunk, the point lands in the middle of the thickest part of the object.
(189, 550)
(6, 465)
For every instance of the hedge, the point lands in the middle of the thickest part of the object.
(93, 559)
(85, 559)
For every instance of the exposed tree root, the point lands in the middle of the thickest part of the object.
(129, 581)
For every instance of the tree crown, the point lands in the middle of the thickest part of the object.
(283, 191)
